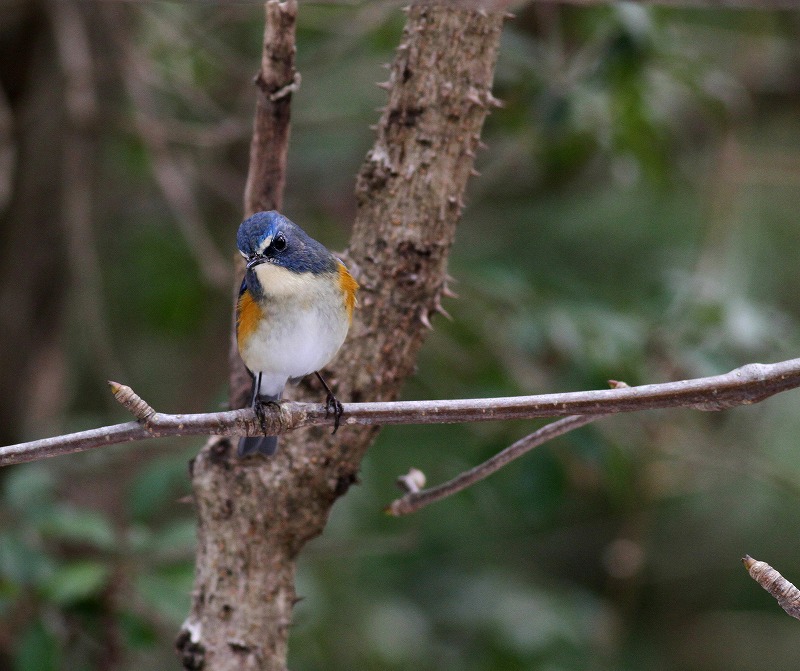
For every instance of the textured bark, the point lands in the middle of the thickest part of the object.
(255, 515)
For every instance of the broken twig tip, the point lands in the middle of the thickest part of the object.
(618, 384)
(412, 481)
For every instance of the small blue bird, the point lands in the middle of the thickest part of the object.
(294, 310)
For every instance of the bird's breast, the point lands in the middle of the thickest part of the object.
(296, 326)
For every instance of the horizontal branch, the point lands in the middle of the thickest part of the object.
(693, 4)
(743, 386)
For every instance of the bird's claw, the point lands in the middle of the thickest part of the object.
(333, 405)
(260, 408)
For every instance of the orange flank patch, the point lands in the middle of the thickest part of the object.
(248, 315)
(349, 287)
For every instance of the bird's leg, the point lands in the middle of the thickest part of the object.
(259, 407)
(332, 404)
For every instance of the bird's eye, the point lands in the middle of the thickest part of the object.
(279, 243)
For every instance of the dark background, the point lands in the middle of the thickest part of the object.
(636, 219)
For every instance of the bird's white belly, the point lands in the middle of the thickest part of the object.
(294, 339)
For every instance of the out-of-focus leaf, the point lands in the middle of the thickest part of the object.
(156, 486)
(176, 538)
(29, 488)
(138, 632)
(37, 650)
(170, 302)
(76, 582)
(168, 590)
(80, 526)
(20, 564)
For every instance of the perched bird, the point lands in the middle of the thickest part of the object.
(295, 307)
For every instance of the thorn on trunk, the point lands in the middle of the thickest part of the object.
(424, 317)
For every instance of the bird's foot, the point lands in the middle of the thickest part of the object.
(332, 405)
(260, 406)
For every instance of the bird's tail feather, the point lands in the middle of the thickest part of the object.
(267, 445)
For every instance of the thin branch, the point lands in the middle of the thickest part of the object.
(785, 593)
(415, 500)
(276, 80)
(743, 386)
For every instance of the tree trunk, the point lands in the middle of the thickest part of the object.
(255, 515)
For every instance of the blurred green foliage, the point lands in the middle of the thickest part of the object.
(636, 219)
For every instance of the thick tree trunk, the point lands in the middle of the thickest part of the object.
(255, 515)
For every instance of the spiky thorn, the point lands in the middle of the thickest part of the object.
(492, 101)
(424, 317)
(437, 307)
(447, 292)
(474, 96)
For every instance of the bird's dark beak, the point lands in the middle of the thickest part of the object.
(255, 261)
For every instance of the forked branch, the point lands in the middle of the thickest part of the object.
(416, 499)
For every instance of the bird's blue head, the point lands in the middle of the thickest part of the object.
(269, 237)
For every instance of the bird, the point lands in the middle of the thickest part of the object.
(293, 313)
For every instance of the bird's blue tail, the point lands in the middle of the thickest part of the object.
(267, 445)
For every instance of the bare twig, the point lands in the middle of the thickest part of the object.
(276, 80)
(743, 386)
(785, 593)
(415, 500)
